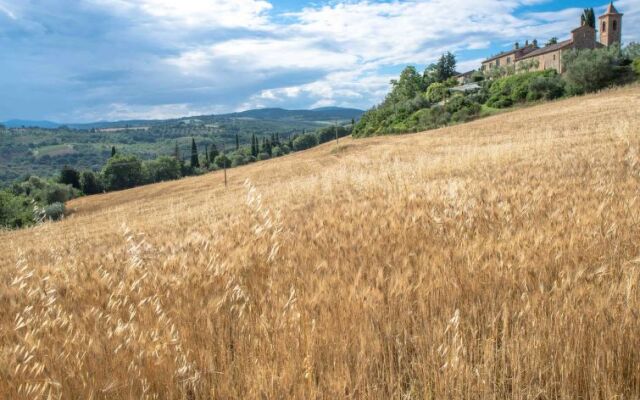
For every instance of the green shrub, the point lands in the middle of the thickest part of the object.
(122, 172)
(277, 151)
(466, 113)
(636, 66)
(632, 51)
(222, 161)
(304, 142)
(57, 193)
(90, 183)
(546, 87)
(436, 92)
(505, 92)
(69, 176)
(329, 133)
(237, 160)
(263, 156)
(45, 192)
(457, 103)
(54, 211)
(500, 102)
(162, 169)
(590, 70)
(16, 211)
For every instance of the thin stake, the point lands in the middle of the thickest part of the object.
(225, 165)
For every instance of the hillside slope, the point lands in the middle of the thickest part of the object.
(495, 259)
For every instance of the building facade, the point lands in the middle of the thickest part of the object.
(550, 57)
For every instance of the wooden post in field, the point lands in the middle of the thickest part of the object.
(224, 164)
(335, 125)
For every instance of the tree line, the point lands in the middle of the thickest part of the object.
(34, 199)
(435, 98)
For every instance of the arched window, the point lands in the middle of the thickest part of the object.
(615, 26)
(604, 26)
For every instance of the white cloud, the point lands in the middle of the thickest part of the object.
(352, 41)
(199, 56)
(261, 55)
(344, 88)
(631, 20)
(249, 14)
(4, 9)
(124, 111)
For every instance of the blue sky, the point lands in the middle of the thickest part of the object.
(91, 60)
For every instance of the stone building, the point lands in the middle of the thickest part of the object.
(550, 57)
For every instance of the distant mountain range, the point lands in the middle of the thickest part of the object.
(18, 123)
(325, 114)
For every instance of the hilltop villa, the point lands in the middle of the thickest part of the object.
(550, 57)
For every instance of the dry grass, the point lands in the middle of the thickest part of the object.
(494, 260)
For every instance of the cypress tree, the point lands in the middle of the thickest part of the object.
(207, 161)
(176, 152)
(213, 153)
(113, 151)
(195, 162)
(254, 145)
(237, 142)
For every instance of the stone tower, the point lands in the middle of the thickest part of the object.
(610, 26)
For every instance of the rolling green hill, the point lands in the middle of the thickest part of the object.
(43, 150)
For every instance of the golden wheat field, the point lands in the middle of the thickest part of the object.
(498, 259)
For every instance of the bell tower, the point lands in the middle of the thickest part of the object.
(610, 26)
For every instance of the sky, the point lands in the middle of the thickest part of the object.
(99, 60)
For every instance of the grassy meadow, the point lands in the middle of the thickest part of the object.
(498, 259)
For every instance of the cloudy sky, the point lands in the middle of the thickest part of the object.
(90, 60)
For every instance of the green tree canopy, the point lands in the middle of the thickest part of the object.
(69, 176)
(588, 17)
(590, 70)
(195, 161)
(122, 172)
(16, 211)
(222, 161)
(304, 142)
(444, 69)
(90, 183)
(162, 169)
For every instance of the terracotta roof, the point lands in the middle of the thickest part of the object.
(611, 9)
(468, 73)
(548, 49)
(583, 27)
(506, 53)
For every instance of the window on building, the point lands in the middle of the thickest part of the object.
(497, 63)
(508, 60)
(615, 26)
(604, 26)
(554, 57)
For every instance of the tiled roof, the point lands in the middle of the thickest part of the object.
(523, 50)
(548, 49)
(611, 9)
(468, 73)
(504, 53)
